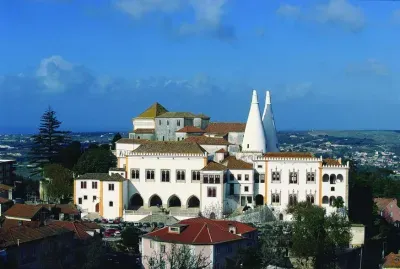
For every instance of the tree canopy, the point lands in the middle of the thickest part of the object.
(95, 160)
(48, 143)
(116, 137)
(130, 238)
(61, 181)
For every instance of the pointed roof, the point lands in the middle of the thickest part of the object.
(269, 125)
(254, 134)
(234, 164)
(153, 111)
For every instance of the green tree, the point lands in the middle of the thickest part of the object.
(60, 183)
(48, 143)
(69, 155)
(130, 238)
(94, 256)
(116, 137)
(316, 237)
(178, 257)
(95, 160)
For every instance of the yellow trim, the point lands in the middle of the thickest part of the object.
(346, 202)
(126, 166)
(118, 162)
(75, 182)
(320, 183)
(121, 200)
(205, 161)
(101, 199)
(266, 183)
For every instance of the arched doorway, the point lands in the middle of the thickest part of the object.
(280, 216)
(174, 201)
(136, 201)
(193, 202)
(155, 200)
(97, 208)
(259, 199)
(212, 215)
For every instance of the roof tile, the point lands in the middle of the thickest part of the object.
(131, 141)
(170, 147)
(101, 177)
(234, 164)
(153, 111)
(225, 127)
(205, 140)
(392, 261)
(214, 166)
(23, 211)
(289, 155)
(190, 129)
(144, 131)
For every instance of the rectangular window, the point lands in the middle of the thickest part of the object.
(211, 179)
(276, 176)
(162, 248)
(211, 192)
(196, 175)
(94, 197)
(134, 173)
(217, 179)
(111, 204)
(159, 122)
(165, 176)
(94, 184)
(231, 189)
(231, 177)
(262, 178)
(150, 174)
(275, 198)
(178, 123)
(292, 199)
(110, 187)
(151, 243)
(167, 122)
(293, 177)
(180, 175)
(259, 166)
(239, 177)
(85, 197)
(80, 201)
(83, 184)
(246, 177)
(205, 179)
(246, 189)
(310, 177)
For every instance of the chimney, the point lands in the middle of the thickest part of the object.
(269, 125)
(254, 134)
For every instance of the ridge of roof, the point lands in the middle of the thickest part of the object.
(101, 177)
(153, 111)
(170, 147)
(206, 140)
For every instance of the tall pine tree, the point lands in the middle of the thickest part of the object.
(48, 143)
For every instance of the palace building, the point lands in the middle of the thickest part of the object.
(182, 164)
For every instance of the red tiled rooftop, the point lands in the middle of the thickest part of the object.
(79, 228)
(234, 164)
(202, 231)
(214, 166)
(221, 150)
(23, 211)
(190, 129)
(64, 208)
(331, 162)
(4, 187)
(4, 200)
(289, 155)
(382, 203)
(225, 127)
(205, 140)
(392, 261)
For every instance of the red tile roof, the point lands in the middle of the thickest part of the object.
(79, 228)
(64, 208)
(190, 129)
(144, 131)
(214, 166)
(221, 150)
(205, 140)
(225, 127)
(392, 261)
(11, 223)
(23, 234)
(331, 162)
(382, 203)
(23, 211)
(234, 164)
(202, 231)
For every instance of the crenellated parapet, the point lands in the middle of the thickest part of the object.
(133, 153)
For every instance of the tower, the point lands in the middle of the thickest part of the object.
(269, 126)
(254, 136)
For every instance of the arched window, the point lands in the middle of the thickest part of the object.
(325, 200)
(310, 198)
(331, 200)
(275, 198)
(325, 178)
(280, 216)
(259, 199)
(340, 177)
(332, 179)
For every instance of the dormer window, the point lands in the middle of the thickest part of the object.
(232, 229)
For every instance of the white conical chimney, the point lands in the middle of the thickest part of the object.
(254, 136)
(269, 126)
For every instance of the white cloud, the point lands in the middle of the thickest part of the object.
(297, 90)
(336, 12)
(207, 14)
(369, 67)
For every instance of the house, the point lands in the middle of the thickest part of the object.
(25, 212)
(218, 240)
(391, 261)
(5, 204)
(31, 247)
(388, 209)
(6, 191)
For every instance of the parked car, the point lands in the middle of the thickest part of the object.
(110, 232)
(117, 233)
(117, 221)
(97, 220)
(137, 224)
(104, 221)
(110, 221)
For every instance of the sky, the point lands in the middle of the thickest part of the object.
(329, 64)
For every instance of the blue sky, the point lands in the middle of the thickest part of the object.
(329, 64)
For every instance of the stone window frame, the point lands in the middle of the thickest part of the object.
(151, 178)
(276, 175)
(293, 177)
(135, 174)
(310, 177)
(196, 175)
(167, 174)
(180, 175)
